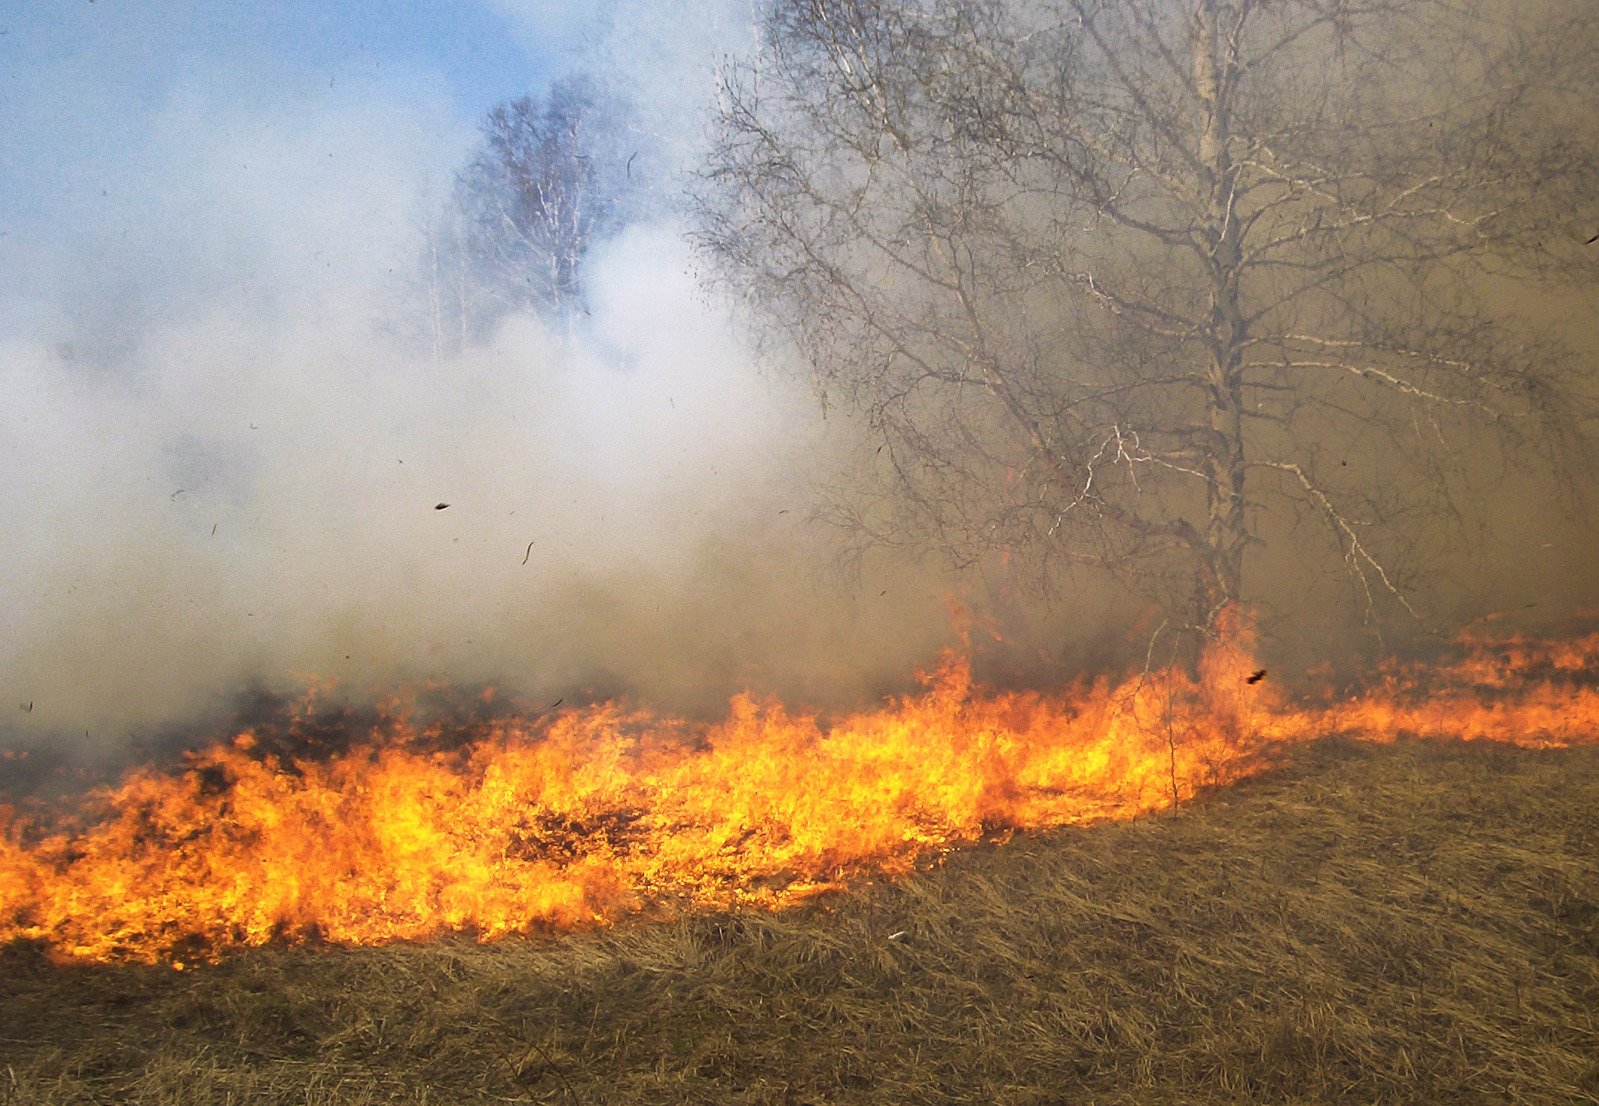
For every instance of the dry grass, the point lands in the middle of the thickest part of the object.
(1411, 924)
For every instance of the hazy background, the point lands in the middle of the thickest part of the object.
(222, 459)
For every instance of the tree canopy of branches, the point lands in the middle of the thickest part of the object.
(550, 177)
(1124, 281)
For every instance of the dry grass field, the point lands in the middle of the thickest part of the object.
(1416, 923)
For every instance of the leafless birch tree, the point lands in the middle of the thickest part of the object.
(1119, 281)
(552, 175)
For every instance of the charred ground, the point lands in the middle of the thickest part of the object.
(1409, 923)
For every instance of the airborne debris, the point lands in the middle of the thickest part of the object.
(1256, 677)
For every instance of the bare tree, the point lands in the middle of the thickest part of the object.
(1123, 281)
(551, 176)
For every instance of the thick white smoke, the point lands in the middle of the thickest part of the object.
(225, 462)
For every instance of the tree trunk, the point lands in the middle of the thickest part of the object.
(1215, 78)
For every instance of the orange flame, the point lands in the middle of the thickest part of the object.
(601, 813)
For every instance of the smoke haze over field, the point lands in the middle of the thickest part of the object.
(224, 463)
(224, 457)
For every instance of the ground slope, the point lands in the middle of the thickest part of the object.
(1415, 923)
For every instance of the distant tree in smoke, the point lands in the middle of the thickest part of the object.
(1136, 283)
(551, 176)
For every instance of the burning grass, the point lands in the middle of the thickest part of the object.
(1406, 923)
(593, 816)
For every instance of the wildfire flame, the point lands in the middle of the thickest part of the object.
(594, 814)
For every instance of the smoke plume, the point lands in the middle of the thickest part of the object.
(228, 464)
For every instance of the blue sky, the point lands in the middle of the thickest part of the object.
(94, 78)
(479, 51)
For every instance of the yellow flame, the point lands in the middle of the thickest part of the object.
(600, 813)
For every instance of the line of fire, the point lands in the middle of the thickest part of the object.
(587, 816)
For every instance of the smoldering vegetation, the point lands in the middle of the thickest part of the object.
(1414, 923)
